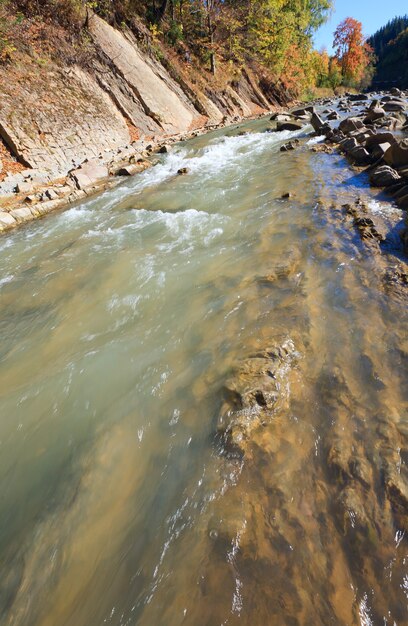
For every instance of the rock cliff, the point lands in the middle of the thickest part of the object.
(52, 118)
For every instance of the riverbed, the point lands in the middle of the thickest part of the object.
(137, 488)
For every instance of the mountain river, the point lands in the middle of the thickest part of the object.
(203, 398)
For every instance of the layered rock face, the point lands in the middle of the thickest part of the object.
(59, 118)
(54, 118)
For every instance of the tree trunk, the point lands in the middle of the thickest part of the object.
(211, 39)
(161, 11)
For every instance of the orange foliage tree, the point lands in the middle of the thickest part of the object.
(351, 50)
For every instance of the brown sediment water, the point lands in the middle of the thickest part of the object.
(203, 399)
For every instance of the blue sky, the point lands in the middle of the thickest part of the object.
(372, 13)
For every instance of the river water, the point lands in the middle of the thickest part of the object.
(204, 398)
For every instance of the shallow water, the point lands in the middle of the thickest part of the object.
(204, 399)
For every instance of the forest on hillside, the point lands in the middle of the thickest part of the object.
(218, 37)
(390, 45)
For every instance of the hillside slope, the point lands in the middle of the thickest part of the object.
(55, 116)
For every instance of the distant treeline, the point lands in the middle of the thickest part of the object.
(390, 45)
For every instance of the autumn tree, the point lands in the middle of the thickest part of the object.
(351, 50)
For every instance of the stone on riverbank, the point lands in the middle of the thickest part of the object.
(397, 154)
(289, 125)
(350, 124)
(89, 174)
(384, 176)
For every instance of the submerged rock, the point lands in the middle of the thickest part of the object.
(252, 393)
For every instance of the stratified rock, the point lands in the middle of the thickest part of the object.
(24, 187)
(6, 220)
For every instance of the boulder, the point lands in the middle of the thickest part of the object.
(373, 104)
(357, 97)
(360, 155)
(395, 91)
(128, 170)
(380, 149)
(6, 220)
(379, 138)
(349, 143)
(309, 110)
(89, 174)
(291, 145)
(289, 125)
(333, 116)
(397, 154)
(317, 122)
(362, 135)
(280, 117)
(393, 105)
(384, 176)
(350, 124)
(164, 149)
(182, 171)
(374, 114)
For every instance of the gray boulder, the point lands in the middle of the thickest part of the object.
(349, 143)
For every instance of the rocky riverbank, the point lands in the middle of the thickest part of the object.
(374, 138)
(33, 193)
(67, 131)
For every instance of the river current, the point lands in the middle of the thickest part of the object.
(137, 488)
